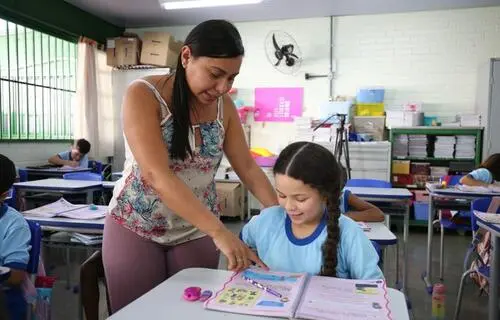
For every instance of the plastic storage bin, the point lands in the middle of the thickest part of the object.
(370, 109)
(421, 210)
(370, 95)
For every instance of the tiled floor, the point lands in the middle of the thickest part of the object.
(65, 302)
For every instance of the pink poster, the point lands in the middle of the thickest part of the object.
(278, 104)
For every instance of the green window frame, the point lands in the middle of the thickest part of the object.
(37, 85)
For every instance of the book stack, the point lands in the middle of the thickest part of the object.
(444, 146)
(417, 145)
(86, 239)
(401, 146)
(465, 147)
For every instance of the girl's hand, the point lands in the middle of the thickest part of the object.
(239, 256)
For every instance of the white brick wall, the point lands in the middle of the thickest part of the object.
(24, 154)
(431, 57)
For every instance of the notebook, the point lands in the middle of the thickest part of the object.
(63, 208)
(492, 216)
(301, 296)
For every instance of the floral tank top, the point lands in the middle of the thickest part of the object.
(135, 204)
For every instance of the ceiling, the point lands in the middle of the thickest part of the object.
(148, 13)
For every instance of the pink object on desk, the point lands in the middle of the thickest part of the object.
(192, 293)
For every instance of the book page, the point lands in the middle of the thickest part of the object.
(240, 296)
(87, 212)
(327, 298)
(53, 209)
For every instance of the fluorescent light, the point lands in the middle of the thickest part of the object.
(189, 4)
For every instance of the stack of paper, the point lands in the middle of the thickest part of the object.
(303, 130)
(400, 146)
(444, 146)
(466, 147)
(470, 120)
(322, 134)
(417, 145)
(86, 239)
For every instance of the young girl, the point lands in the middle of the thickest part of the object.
(487, 174)
(306, 232)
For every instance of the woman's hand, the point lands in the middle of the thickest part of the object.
(239, 256)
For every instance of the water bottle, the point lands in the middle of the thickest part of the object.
(438, 298)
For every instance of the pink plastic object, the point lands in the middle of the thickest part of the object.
(192, 293)
(266, 161)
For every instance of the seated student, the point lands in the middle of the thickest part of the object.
(307, 232)
(76, 157)
(15, 239)
(358, 209)
(487, 174)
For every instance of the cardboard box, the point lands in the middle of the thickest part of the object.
(160, 49)
(231, 199)
(375, 126)
(123, 51)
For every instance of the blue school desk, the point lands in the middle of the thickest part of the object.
(398, 196)
(455, 199)
(494, 229)
(61, 186)
(166, 299)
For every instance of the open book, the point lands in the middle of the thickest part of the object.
(301, 296)
(63, 208)
(492, 216)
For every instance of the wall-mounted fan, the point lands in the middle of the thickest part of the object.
(283, 52)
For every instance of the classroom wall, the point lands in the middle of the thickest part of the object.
(24, 154)
(430, 57)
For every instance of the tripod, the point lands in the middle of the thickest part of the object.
(341, 146)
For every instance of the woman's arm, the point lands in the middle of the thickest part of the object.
(141, 123)
(470, 181)
(363, 211)
(238, 154)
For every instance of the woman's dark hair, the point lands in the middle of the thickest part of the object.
(315, 166)
(214, 39)
(493, 165)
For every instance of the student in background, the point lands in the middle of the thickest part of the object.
(487, 174)
(76, 157)
(15, 237)
(307, 232)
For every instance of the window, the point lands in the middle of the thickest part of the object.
(37, 84)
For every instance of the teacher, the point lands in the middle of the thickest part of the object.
(164, 211)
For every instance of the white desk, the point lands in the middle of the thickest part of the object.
(393, 195)
(494, 229)
(68, 225)
(456, 200)
(61, 186)
(381, 234)
(53, 172)
(165, 300)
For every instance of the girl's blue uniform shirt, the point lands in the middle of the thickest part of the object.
(270, 233)
(483, 175)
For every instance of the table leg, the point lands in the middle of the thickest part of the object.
(495, 273)
(90, 197)
(428, 273)
(406, 228)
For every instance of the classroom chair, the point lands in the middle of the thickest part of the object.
(87, 176)
(450, 223)
(473, 262)
(36, 248)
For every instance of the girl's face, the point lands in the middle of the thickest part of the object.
(303, 204)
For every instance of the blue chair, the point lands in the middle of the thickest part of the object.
(96, 166)
(36, 248)
(472, 255)
(368, 183)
